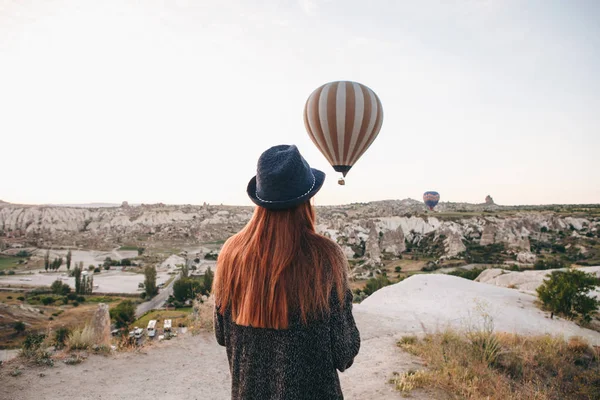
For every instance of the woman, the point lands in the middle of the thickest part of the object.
(283, 306)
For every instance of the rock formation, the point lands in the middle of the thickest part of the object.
(101, 325)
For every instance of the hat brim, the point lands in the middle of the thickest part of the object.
(284, 204)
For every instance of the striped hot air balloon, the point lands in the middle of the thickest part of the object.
(431, 199)
(343, 119)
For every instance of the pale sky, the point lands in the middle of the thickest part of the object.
(174, 101)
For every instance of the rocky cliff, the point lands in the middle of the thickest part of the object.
(374, 232)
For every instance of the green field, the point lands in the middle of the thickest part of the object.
(128, 248)
(178, 315)
(7, 262)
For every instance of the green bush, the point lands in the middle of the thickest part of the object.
(374, 284)
(60, 337)
(566, 293)
(23, 253)
(554, 263)
(9, 297)
(2, 273)
(11, 272)
(47, 300)
(467, 274)
(123, 314)
(33, 341)
(398, 269)
(21, 298)
(75, 304)
(72, 296)
(19, 326)
(81, 299)
(60, 288)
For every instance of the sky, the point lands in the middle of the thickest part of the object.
(174, 101)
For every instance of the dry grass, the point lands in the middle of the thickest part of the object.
(201, 318)
(487, 365)
(10, 311)
(81, 339)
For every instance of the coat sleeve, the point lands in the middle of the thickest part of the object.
(345, 338)
(219, 328)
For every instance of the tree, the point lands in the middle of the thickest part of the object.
(77, 275)
(47, 260)
(60, 288)
(181, 289)
(19, 327)
(566, 293)
(186, 288)
(185, 272)
(208, 281)
(87, 283)
(150, 281)
(107, 263)
(123, 314)
(69, 255)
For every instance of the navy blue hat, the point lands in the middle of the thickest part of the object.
(283, 179)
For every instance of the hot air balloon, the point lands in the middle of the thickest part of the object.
(343, 119)
(431, 199)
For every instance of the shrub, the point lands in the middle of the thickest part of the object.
(375, 284)
(60, 337)
(467, 274)
(75, 304)
(11, 272)
(81, 299)
(9, 297)
(548, 264)
(23, 253)
(398, 269)
(81, 339)
(60, 288)
(19, 326)
(123, 314)
(40, 290)
(33, 340)
(21, 298)
(359, 297)
(566, 293)
(143, 295)
(34, 349)
(2, 273)
(47, 300)
(72, 296)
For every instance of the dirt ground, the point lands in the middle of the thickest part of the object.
(195, 367)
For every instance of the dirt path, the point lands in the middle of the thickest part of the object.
(195, 367)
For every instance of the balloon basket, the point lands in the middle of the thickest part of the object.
(341, 182)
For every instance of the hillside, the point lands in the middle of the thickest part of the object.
(371, 234)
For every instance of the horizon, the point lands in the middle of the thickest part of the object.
(316, 204)
(176, 101)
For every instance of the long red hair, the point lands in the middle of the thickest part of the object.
(279, 265)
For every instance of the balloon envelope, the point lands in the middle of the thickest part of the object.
(431, 199)
(343, 119)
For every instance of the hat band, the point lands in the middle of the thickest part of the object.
(295, 198)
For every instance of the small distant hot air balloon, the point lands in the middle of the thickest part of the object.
(431, 199)
(343, 119)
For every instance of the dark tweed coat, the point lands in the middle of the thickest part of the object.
(293, 364)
